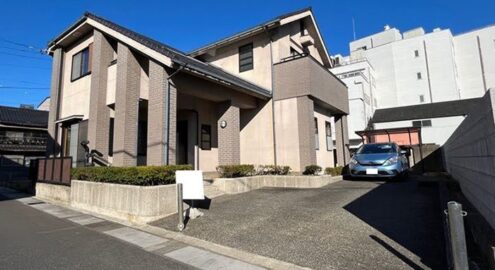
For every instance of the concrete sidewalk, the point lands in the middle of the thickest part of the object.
(187, 255)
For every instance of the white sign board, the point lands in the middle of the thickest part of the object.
(192, 184)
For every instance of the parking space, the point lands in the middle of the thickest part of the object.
(346, 225)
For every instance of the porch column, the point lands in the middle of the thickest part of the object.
(126, 108)
(229, 137)
(306, 131)
(342, 140)
(52, 148)
(162, 115)
(99, 113)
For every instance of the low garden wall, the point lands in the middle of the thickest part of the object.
(53, 193)
(245, 184)
(139, 204)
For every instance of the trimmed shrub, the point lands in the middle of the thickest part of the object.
(273, 170)
(334, 171)
(232, 171)
(140, 176)
(312, 170)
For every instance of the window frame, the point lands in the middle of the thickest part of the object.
(243, 51)
(207, 140)
(328, 135)
(88, 50)
(317, 135)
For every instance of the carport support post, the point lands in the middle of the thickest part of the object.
(180, 208)
(457, 236)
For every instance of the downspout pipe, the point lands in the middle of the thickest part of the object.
(273, 101)
(167, 135)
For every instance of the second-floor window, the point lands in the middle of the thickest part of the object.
(81, 63)
(246, 57)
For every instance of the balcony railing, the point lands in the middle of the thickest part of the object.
(23, 143)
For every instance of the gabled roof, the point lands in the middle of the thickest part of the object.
(425, 111)
(275, 22)
(21, 117)
(188, 63)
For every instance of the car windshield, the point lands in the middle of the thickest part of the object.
(377, 149)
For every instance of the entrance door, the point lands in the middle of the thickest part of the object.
(182, 142)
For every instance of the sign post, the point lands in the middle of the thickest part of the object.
(189, 187)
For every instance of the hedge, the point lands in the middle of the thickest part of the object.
(334, 171)
(140, 175)
(273, 170)
(312, 170)
(232, 171)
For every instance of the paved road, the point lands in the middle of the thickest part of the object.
(32, 239)
(346, 225)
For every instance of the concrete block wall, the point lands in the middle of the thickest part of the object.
(469, 156)
(126, 107)
(99, 113)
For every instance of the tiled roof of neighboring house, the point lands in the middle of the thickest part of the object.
(423, 111)
(23, 117)
(176, 56)
(249, 30)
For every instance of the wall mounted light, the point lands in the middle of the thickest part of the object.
(223, 124)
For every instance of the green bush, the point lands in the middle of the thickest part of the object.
(140, 176)
(312, 170)
(232, 171)
(273, 170)
(334, 171)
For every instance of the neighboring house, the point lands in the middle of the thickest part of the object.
(44, 105)
(263, 96)
(415, 67)
(23, 136)
(437, 120)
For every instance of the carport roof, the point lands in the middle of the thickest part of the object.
(177, 57)
(423, 111)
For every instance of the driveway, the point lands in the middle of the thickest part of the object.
(345, 225)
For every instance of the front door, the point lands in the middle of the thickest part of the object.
(181, 142)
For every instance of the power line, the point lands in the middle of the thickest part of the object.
(24, 56)
(21, 66)
(20, 44)
(24, 88)
(21, 50)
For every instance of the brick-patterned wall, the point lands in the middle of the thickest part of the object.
(229, 137)
(469, 156)
(52, 147)
(306, 130)
(99, 113)
(342, 138)
(161, 118)
(126, 108)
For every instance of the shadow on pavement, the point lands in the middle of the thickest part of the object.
(407, 212)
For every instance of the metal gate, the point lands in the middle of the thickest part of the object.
(54, 170)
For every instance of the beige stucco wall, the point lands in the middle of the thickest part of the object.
(257, 135)
(75, 95)
(287, 134)
(324, 157)
(228, 58)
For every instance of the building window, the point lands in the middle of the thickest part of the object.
(142, 139)
(328, 133)
(317, 142)
(81, 64)
(418, 75)
(416, 53)
(66, 134)
(421, 98)
(246, 57)
(110, 137)
(421, 123)
(206, 137)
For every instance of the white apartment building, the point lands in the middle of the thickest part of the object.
(414, 68)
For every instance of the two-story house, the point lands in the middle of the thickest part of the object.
(262, 96)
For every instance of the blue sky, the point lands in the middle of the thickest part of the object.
(27, 26)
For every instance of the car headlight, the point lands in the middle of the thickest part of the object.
(391, 161)
(353, 162)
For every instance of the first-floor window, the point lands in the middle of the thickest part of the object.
(328, 133)
(317, 142)
(206, 137)
(110, 137)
